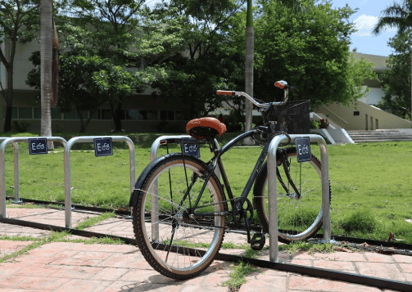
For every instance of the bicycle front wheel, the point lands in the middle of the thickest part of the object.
(299, 216)
(176, 242)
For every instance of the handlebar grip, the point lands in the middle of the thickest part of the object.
(281, 84)
(225, 92)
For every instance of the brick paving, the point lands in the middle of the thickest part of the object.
(64, 266)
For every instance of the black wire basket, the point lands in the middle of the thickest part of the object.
(292, 118)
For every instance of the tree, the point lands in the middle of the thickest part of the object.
(88, 81)
(116, 27)
(310, 51)
(18, 20)
(399, 16)
(46, 56)
(206, 58)
(396, 79)
(295, 4)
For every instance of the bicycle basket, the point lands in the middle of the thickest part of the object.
(292, 118)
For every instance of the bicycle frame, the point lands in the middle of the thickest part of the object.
(252, 176)
(216, 161)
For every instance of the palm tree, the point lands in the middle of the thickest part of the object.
(297, 7)
(46, 56)
(399, 16)
(249, 71)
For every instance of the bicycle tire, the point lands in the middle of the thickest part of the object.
(173, 250)
(298, 219)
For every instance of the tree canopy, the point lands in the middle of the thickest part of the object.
(310, 51)
(396, 80)
(18, 23)
(187, 49)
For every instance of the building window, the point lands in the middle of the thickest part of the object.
(152, 115)
(179, 115)
(37, 113)
(95, 115)
(85, 115)
(101, 114)
(106, 114)
(25, 113)
(71, 115)
(356, 113)
(135, 114)
(170, 115)
(56, 113)
(167, 115)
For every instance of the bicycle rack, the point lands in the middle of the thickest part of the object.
(3, 145)
(16, 170)
(272, 184)
(67, 173)
(153, 155)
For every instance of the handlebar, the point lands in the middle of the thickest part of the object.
(280, 84)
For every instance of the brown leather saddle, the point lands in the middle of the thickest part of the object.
(205, 128)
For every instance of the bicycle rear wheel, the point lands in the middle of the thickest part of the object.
(298, 217)
(173, 241)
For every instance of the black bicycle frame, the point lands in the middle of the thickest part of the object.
(216, 161)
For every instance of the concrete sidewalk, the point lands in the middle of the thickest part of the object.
(68, 266)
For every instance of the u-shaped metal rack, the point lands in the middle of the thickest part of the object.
(272, 184)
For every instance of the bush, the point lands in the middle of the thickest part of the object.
(361, 220)
(21, 127)
(232, 122)
(314, 124)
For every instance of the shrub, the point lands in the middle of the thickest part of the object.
(361, 220)
(21, 127)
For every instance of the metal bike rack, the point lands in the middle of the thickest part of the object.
(3, 145)
(153, 155)
(67, 173)
(16, 170)
(272, 184)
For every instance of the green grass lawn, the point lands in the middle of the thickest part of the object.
(371, 183)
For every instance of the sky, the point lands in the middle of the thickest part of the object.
(365, 19)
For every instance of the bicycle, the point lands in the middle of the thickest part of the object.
(181, 209)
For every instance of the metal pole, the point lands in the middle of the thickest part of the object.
(325, 190)
(16, 173)
(16, 170)
(2, 182)
(67, 168)
(272, 185)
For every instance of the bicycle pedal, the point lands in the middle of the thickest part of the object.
(258, 241)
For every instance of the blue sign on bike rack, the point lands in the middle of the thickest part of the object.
(103, 147)
(191, 148)
(303, 149)
(37, 146)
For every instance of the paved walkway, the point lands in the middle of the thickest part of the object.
(64, 266)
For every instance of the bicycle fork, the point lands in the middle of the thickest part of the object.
(286, 164)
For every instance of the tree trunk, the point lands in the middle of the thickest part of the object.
(46, 56)
(116, 116)
(9, 99)
(249, 72)
(118, 122)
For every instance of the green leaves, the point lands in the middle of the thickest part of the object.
(396, 80)
(396, 15)
(310, 50)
